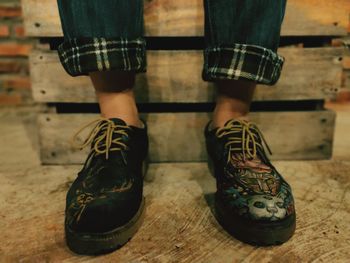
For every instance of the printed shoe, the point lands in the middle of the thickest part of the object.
(105, 203)
(253, 202)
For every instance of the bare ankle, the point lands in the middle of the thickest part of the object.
(120, 105)
(220, 118)
(233, 101)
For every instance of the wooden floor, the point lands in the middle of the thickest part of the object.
(179, 225)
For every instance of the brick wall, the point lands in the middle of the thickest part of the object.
(14, 51)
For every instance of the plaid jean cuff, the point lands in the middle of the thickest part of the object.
(242, 61)
(79, 56)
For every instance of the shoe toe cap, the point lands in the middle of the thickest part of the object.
(258, 207)
(103, 214)
(269, 208)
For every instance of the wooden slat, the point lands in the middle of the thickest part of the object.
(185, 18)
(179, 137)
(346, 81)
(175, 76)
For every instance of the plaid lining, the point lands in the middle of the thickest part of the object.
(242, 61)
(79, 56)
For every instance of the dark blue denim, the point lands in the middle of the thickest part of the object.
(241, 36)
(106, 18)
(252, 22)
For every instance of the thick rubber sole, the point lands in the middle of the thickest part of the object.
(253, 232)
(101, 243)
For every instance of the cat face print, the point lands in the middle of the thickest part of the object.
(266, 207)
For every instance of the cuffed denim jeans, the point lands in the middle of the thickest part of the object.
(241, 38)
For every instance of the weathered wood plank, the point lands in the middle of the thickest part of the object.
(179, 225)
(346, 81)
(179, 137)
(175, 76)
(185, 18)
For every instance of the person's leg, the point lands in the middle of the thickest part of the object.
(105, 203)
(253, 202)
(242, 38)
(105, 40)
(232, 101)
(114, 90)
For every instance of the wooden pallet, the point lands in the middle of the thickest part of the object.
(179, 137)
(303, 130)
(185, 18)
(312, 73)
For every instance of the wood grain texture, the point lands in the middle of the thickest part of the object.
(179, 225)
(341, 145)
(185, 18)
(175, 76)
(179, 137)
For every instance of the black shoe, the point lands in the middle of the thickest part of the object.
(105, 204)
(253, 202)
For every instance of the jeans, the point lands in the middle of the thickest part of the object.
(241, 38)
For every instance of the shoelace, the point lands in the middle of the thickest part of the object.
(249, 140)
(106, 137)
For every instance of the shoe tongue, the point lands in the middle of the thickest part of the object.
(237, 120)
(239, 134)
(234, 121)
(118, 121)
